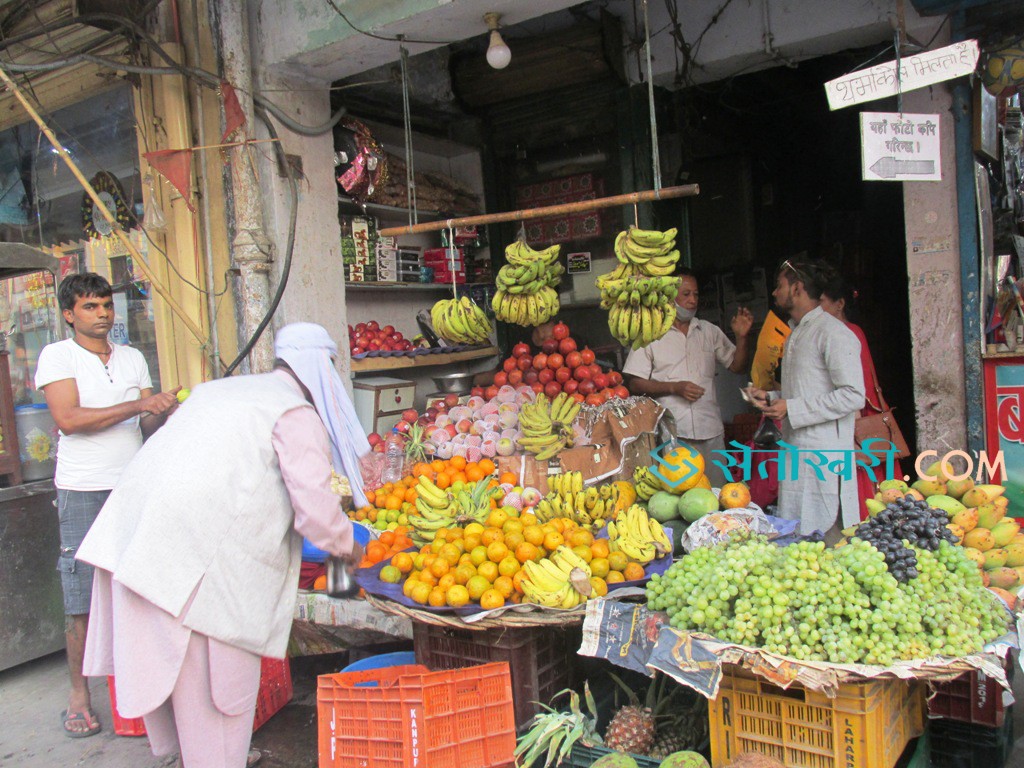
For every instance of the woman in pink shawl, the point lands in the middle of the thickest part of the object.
(837, 298)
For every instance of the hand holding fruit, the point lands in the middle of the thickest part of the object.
(742, 322)
(160, 403)
(776, 410)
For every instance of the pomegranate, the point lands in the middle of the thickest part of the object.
(573, 360)
(555, 361)
(582, 373)
(520, 349)
(545, 376)
(524, 363)
(614, 378)
(510, 365)
(476, 392)
(451, 400)
(570, 386)
(562, 375)
(552, 389)
(621, 391)
(594, 399)
(601, 381)
(560, 331)
(565, 346)
(501, 378)
(537, 387)
(540, 362)
(530, 377)
(587, 355)
(491, 392)
(549, 346)
(515, 378)
(587, 387)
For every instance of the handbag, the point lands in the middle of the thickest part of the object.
(880, 426)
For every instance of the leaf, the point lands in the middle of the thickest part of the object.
(553, 749)
(591, 704)
(570, 741)
(618, 681)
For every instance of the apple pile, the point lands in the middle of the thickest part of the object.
(558, 367)
(366, 337)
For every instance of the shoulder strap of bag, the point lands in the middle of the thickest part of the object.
(883, 406)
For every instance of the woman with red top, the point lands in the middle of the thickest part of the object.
(837, 298)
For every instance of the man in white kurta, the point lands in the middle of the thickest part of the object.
(822, 394)
(679, 371)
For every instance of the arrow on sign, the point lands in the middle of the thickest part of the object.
(890, 167)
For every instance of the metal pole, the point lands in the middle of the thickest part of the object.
(251, 248)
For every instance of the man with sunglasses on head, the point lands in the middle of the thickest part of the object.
(822, 394)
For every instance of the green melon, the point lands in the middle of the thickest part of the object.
(696, 503)
(614, 760)
(684, 760)
(663, 507)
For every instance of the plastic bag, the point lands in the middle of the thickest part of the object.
(767, 434)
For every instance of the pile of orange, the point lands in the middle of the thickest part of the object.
(386, 546)
(482, 563)
(445, 473)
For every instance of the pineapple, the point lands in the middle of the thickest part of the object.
(684, 729)
(631, 729)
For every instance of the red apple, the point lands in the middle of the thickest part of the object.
(373, 326)
(565, 346)
(509, 365)
(621, 391)
(403, 426)
(560, 331)
(587, 355)
(431, 413)
(424, 420)
(540, 362)
(360, 328)
(520, 349)
(537, 387)
(373, 344)
(451, 400)
(530, 376)
(378, 448)
(601, 381)
(451, 430)
(614, 378)
(395, 337)
(476, 392)
(410, 415)
(586, 387)
(570, 386)
(552, 389)
(358, 350)
(573, 360)
(549, 346)
(491, 392)
(562, 375)
(582, 373)
(500, 379)
(545, 376)
(385, 346)
(388, 329)
(555, 361)
(515, 378)
(524, 363)
(373, 438)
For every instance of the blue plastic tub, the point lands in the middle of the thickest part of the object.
(313, 554)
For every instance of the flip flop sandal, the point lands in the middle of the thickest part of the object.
(253, 757)
(80, 717)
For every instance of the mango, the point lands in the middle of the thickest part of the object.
(976, 555)
(995, 558)
(980, 539)
(982, 494)
(1020, 574)
(985, 579)
(957, 531)
(989, 515)
(890, 495)
(957, 488)
(946, 503)
(1004, 531)
(874, 507)
(1018, 539)
(1001, 502)
(992, 491)
(899, 485)
(1014, 553)
(1008, 598)
(930, 487)
(938, 469)
(1003, 578)
(966, 519)
(696, 503)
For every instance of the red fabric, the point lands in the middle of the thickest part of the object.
(865, 486)
(309, 573)
(234, 117)
(569, 189)
(763, 490)
(175, 165)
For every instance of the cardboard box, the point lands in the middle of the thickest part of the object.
(531, 473)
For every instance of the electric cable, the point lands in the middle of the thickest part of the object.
(375, 36)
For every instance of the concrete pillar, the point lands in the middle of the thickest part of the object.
(933, 265)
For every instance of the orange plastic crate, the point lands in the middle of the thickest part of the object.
(275, 691)
(867, 725)
(410, 717)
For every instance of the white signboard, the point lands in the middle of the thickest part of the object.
(899, 147)
(119, 330)
(916, 71)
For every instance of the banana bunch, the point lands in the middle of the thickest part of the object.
(652, 251)
(559, 581)
(436, 509)
(547, 428)
(645, 483)
(589, 507)
(461, 321)
(638, 536)
(526, 292)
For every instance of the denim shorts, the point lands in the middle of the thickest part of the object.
(77, 511)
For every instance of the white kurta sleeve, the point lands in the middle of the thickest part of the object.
(841, 354)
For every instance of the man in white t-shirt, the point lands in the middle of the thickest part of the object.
(101, 397)
(678, 370)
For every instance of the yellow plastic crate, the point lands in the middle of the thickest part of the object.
(867, 725)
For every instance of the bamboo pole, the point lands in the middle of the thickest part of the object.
(120, 233)
(632, 198)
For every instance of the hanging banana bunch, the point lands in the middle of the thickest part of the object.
(526, 292)
(461, 321)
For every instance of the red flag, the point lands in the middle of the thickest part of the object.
(234, 117)
(175, 165)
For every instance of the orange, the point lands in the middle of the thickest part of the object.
(447, 580)
(393, 501)
(509, 565)
(584, 553)
(460, 477)
(440, 567)
(490, 536)
(390, 575)
(464, 573)
(508, 478)
(517, 580)
(553, 541)
(419, 561)
(457, 462)
(526, 551)
(633, 572)
(466, 559)
(486, 466)
(534, 534)
(615, 577)
(528, 519)
(504, 585)
(474, 474)
(409, 585)
(387, 538)
(599, 567)
(491, 599)
(580, 537)
(320, 584)
(436, 597)
(600, 586)
(600, 548)
(375, 551)
(471, 541)
(428, 578)
(474, 529)
(513, 526)
(617, 561)
(421, 593)
(497, 518)
(496, 551)
(734, 496)
(488, 570)
(437, 465)
(410, 495)
(513, 540)
(451, 553)
(478, 555)
(443, 480)
(457, 596)
(370, 496)
(437, 545)
(516, 598)
(477, 586)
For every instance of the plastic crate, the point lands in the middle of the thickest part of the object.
(583, 756)
(867, 725)
(961, 745)
(974, 697)
(541, 658)
(275, 691)
(410, 717)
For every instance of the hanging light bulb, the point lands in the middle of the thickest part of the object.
(498, 54)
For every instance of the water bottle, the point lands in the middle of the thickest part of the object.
(394, 457)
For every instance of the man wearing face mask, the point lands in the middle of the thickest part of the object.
(678, 370)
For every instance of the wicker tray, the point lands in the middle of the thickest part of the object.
(516, 616)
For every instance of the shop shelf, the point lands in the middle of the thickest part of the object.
(867, 725)
(541, 658)
(408, 717)
(275, 691)
(368, 364)
(960, 745)
(974, 697)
